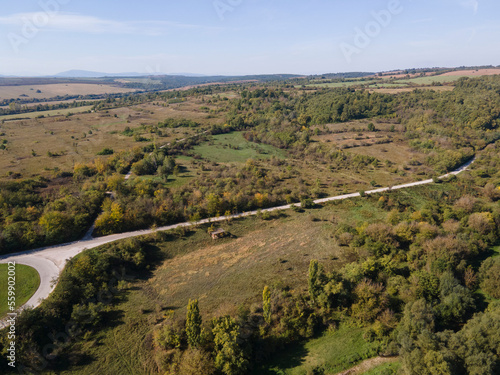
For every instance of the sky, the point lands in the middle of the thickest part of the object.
(237, 37)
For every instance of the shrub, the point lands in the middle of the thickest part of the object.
(307, 203)
(106, 151)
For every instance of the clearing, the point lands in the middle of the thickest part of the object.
(234, 148)
(332, 352)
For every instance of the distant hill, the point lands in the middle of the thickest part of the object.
(185, 74)
(90, 74)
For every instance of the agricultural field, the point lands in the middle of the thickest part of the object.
(473, 72)
(432, 79)
(47, 91)
(335, 84)
(397, 83)
(397, 90)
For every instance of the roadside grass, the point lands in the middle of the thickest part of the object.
(233, 147)
(332, 353)
(27, 282)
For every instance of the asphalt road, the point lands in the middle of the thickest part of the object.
(50, 261)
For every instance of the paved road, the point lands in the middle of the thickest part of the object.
(50, 261)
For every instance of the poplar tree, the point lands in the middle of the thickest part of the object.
(314, 276)
(266, 304)
(193, 324)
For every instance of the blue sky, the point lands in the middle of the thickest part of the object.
(246, 36)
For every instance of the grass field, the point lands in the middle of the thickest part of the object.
(56, 112)
(388, 85)
(390, 368)
(354, 138)
(234, 148)
(431, 79)
(395, 90)
(78, 138)
(332, 352)
(335, 84)
(27, 282)
(400, 84)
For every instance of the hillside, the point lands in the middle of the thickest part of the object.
(410, 274)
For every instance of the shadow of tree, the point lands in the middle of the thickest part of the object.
(293, 356)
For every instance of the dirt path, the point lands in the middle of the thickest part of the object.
(368, 365)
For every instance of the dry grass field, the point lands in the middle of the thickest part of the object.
(55, 112)
(52, 102)
(354, 137)
(473, 73)
(58, 89)
(79, 137)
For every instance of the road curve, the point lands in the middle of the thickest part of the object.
(50, 261)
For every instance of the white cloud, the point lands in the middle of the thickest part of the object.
(72, 22)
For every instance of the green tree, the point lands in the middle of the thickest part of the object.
(456, 300)
(55, 225)
(266, 304)
(314, 279)
(193, 324)
(490, 277)
(229, 356)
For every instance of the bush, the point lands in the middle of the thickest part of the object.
(307, 203)
(106, 151)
